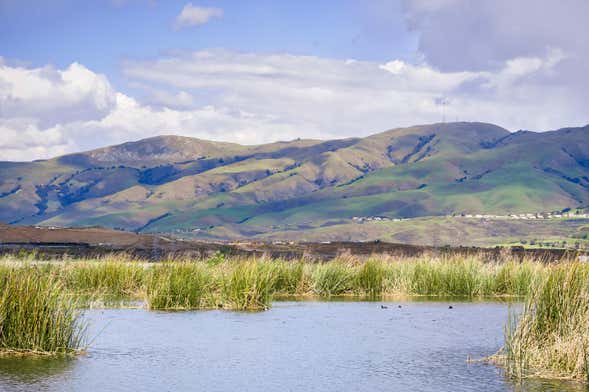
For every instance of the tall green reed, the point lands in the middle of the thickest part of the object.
(249, 285)
(180, 286)
(550, 338)
(369, 278)
(36, 315)
(332, 278)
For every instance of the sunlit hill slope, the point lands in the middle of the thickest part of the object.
(225, 190)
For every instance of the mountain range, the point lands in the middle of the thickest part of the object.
(208, 189)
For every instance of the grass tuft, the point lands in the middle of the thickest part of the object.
(35, 314)
(249, 285)
(370, 278)
(179, 286)
(550, 338)
(332, 278)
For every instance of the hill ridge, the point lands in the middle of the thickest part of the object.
(171, 183)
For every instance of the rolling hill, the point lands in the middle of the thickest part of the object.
(222, 190)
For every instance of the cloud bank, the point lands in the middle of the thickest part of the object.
(253, 98)
(482, 35)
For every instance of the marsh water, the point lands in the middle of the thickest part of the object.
(295, 346)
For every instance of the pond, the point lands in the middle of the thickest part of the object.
(295, 346)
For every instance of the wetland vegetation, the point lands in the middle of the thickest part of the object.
(549, 339)
(252, 283)
(36, 316)
(41, 301)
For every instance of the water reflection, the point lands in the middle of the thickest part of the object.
(540, 385)
(33, 369)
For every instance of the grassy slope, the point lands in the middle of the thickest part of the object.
(169, 183)
(440, 231)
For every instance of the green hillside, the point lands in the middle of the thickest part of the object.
(224, 190)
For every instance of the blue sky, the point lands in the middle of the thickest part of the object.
(79, 75)
(101, 34)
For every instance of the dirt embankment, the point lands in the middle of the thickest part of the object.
(93, 242)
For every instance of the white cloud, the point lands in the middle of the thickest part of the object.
(521, 67)
(347, 98)
(423, 77)
(253, 98)
(23, 140)
(193, 15)
(51, 95)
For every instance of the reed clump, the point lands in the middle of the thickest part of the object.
(370, 277)
(550, 338)
(249, 285)
(35, 314)
(293, 278)
(463, 276)
(332, 278)
(516, 278)
(108, 279)
(180, 286)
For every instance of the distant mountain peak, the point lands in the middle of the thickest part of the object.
(160, 149)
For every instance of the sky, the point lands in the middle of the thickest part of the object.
(80, 75)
